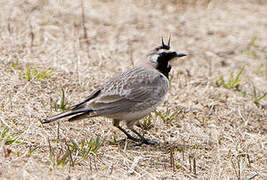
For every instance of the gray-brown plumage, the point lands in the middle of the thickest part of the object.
(130, 95)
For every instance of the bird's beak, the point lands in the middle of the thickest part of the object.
(180, 54)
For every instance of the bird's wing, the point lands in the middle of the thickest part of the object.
(134, 90)
(90, 97)
(131, 91)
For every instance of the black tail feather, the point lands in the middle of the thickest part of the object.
(78, 117)
(62, 115)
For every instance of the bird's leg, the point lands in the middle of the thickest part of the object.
(116, 123)
(143, 139)
(129, 136)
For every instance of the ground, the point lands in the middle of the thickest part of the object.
(212, 124)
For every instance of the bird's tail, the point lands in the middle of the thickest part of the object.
(78, 113)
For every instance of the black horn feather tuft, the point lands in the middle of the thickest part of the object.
(163, 45)
(169, 42)
(162, 42)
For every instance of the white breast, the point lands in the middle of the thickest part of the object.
(131, 116)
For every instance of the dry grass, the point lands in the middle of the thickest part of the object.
(211, 126)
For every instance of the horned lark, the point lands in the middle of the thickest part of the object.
(130, 95)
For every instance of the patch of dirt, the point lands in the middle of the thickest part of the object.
(209, 128)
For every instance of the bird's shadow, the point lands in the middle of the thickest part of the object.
(158, 146)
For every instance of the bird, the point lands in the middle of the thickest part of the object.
(130, 95)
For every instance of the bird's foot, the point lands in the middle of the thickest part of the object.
(129, 137)
(133, 138)
(140, 142)
(145, 141)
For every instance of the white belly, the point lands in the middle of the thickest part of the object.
(130, 116)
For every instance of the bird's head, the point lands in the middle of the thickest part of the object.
(162, 56)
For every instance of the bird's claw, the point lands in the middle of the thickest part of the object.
(146, 141)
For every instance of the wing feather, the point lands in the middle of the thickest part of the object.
(90, 97)
(129, 90)
(134, 90)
